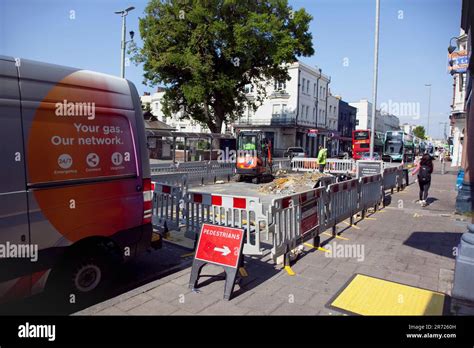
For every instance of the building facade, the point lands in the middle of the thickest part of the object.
(346, 124)
(383, 121)
(458, 114)
(294, 112)
(175, 121)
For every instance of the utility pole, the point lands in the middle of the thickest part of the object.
(376, 66)
(429, 108)
(123, 46)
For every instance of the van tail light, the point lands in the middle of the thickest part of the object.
(148, 187)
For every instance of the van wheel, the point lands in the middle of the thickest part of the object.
(83, 278)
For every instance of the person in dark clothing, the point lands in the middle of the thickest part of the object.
(424, 170)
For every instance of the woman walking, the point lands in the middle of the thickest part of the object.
(424, 169)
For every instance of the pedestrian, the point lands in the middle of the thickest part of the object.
(424, 168)
(322, 155)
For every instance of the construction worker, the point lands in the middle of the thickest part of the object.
(322, 155)
(250, 146)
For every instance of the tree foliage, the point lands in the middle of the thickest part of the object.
(419, 131)
(206, 51)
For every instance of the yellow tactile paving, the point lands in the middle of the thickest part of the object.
(372, 296)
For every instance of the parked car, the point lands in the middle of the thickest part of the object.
(366, 157)
(294, 152)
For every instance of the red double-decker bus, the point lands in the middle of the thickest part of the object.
(361, 143)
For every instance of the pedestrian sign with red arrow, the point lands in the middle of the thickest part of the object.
(220, 245)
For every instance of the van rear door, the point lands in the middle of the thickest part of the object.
(15, 266)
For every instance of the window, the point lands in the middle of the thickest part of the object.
(314, 113)
(302, 85)
(307, 87)
(321, 91)
(330, 108)
(276, 109)
(314, 90)
(283, 109)
(307, 110)
(248, 88)
(279, 85)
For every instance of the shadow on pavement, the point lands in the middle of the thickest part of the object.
(439, 243)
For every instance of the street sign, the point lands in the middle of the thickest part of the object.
(220, 245)
(366, 168)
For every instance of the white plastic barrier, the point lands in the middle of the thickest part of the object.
(295, 219)
(340, 166)
(226, 210)
(302, 164)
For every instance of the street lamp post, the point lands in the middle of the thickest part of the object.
(124, 14)
(429, 109)
(376, 63)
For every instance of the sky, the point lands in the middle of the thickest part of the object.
(414, 36)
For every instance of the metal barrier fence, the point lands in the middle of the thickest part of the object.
(201, 172)
(226, 210)
(371, 194)
(167, 207)
(295, 219)
(342, 202)
(281, 164)
(173, 179)
(390, 178)
(158, 168)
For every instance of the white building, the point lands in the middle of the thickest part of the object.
(294, 113)
(458, 115)
(391, 122)
(181, 125)
(364, 116)
(332, 125)
(383, 122)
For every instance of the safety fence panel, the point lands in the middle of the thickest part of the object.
(300, 164)
(342, 202)
(220, 170)
(340, 166)
(197, 171)
(281, 164)
(226, 210)
(158, 168)
(390, 178)
(174, 179)
(370, 191)
(167, 207)
(294, 219)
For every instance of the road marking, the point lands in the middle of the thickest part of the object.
(417, 215)
(336, 236)
(348, 224)
(319, 248)
(370, 218)
(289, 271)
